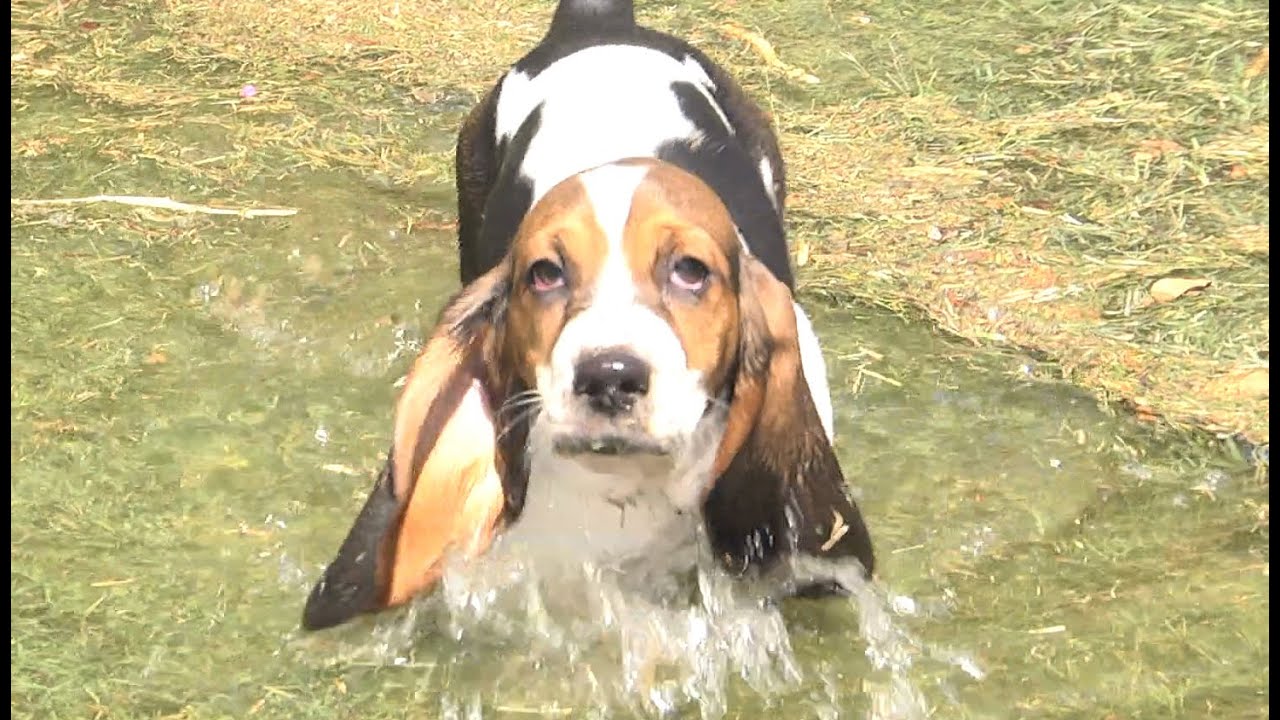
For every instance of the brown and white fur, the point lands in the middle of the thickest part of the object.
(628, 375)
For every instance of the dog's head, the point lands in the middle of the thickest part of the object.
(622, 294)
(627, 323)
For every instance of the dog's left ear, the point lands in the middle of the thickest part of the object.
(779, 490)
(442, 488)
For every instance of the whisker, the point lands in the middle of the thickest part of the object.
(523, 394)
(717, 402)
(520, 397)
(508, 410)
(519, 400)
(519, 418)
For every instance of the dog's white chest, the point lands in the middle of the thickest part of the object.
(615, 519)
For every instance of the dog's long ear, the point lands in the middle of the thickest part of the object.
(779, 489)
(441, 489)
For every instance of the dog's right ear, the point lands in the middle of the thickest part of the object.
(779, 490)
(441, 489)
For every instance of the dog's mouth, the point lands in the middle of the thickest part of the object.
(608, 444)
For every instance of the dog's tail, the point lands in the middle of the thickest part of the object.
(579, 17)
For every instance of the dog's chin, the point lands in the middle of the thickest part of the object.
(608, 444)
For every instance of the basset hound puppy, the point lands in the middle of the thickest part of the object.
(624, 374)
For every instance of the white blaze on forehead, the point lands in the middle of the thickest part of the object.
(610, 190)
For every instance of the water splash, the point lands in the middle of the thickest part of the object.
(585, 641)
(655, 653)
(890, 648)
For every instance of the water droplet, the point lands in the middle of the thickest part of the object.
(1216, 479)
(1137, 470)
(903, 605)
(208, 291)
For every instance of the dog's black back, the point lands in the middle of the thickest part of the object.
(494, 195)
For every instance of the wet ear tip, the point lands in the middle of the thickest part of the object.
(327, 606)
(313, 621)
(319, 616)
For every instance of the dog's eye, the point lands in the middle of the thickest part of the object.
(545, 275)
(689, 274)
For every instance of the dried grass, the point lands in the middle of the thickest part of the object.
(1021, 190)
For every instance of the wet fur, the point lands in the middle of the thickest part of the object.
(776, 486)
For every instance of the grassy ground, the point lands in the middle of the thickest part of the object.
(1023, 173)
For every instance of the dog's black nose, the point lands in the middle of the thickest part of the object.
(612, 380)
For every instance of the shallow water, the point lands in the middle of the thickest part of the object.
(199, 406)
